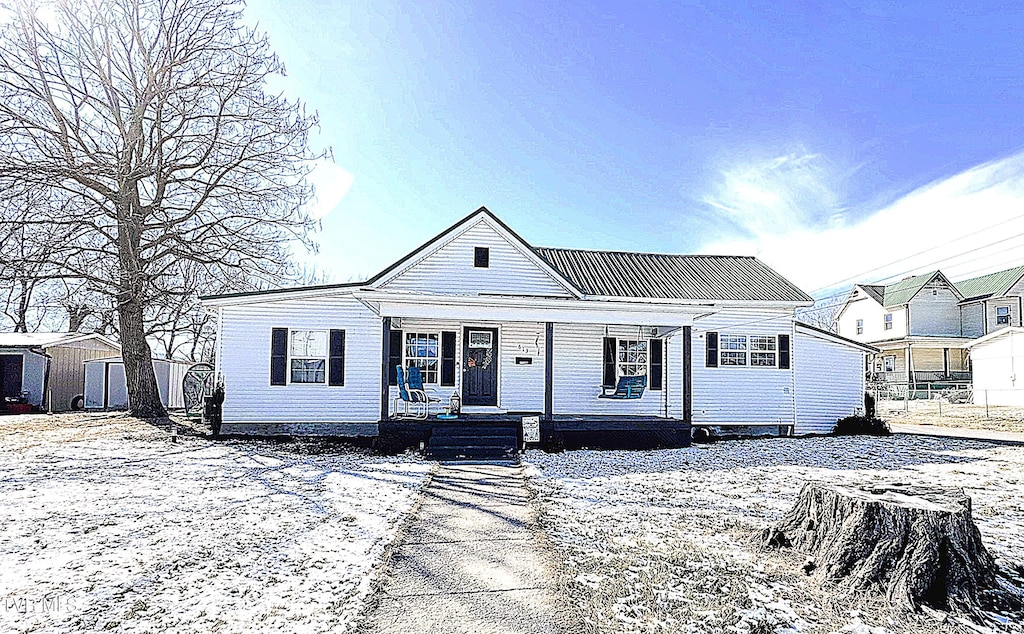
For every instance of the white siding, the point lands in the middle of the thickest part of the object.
(520, 387)
(972, 319)
(741, 395)
(578, 369)
(999, 370)
(450, 269)
(245, 363)
(873, 314)
(934, 311)
(829, 382)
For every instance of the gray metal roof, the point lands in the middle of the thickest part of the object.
(662, 276)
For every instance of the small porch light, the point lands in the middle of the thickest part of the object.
(455, 403)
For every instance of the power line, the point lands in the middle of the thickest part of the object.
(904, 259)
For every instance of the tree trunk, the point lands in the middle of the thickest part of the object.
(143, 394)
(917, 546)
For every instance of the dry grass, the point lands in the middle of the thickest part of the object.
(941, 414)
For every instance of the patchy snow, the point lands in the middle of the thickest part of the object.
(660, 541)
(107, 524)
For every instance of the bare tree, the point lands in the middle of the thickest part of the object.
(153, 117)
(824, 313)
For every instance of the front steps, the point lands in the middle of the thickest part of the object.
(474, 443)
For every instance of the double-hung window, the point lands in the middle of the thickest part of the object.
(734, 349)
(422, 351)
(762, 350)
(890, 363)
(1002, 315)
(308, 356)
(632, 357)
(860, 326)
(888, 321)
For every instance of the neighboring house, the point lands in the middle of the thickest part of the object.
(107, 388)
(516, 330)
(917, 325)
(49, 366)
(998, 359)
(992, 301)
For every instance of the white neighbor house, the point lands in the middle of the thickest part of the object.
(515, 330)
(999, 367)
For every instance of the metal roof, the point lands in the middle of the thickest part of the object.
(875, 291)
(903, 291)
(46, 339)
(663, 276)
(994, 284)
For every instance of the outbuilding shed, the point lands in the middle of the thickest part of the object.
(47, 368)
(107, 388)
(998, 362)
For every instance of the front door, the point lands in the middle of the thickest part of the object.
(480, 366)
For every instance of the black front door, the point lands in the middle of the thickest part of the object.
(480, 366)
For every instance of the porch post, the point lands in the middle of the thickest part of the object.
(687, 374)
(385, 357)
(549, 355)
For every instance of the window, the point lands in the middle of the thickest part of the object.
(481, 257)
(762, 351)
(890, 364)
(860, 326)
(308, 356)
(888, 321)
(480, 338)
(421, 350)
(734, 349)
(632, 357)
(1003, 315)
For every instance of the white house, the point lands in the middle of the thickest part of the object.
(999, 367)
(516, 330)
(48, 366)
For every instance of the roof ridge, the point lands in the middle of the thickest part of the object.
(673, 255)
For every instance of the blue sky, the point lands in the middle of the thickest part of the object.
(675, 127)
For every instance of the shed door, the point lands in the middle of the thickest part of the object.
(117, 387)
(480, 366)
(10, 376)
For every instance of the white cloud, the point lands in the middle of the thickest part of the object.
(331, 183)
(966, 225)
(776, 196)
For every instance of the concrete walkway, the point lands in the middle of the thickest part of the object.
(473, 560)
(957, 432)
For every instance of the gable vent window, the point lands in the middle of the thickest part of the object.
(481, 257)
(888, 321)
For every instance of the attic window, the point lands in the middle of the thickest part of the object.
(481, 257)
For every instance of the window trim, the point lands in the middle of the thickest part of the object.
(749, 351)
(406, 357)
(646, 363)
(885, 362)
(1003, 320)
(887, 321)
(326, 358)
(860, 326)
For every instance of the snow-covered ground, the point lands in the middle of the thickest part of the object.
(659, 541)
(107, 524)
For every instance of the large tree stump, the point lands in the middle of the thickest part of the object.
(917, 546)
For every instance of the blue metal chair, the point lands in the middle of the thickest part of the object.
(414, 397)
(628, 387)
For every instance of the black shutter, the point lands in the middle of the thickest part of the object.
(608, 380)
(336, 359)
(447, 358)
(394, 356)
(712, 349)
(279, 356)
(783, 352)
(656, 350)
